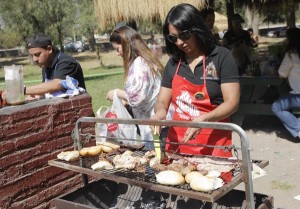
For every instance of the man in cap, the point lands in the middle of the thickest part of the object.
(239, 42)
(56, 66)
(208, 15)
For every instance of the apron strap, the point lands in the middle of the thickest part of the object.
(204, 69)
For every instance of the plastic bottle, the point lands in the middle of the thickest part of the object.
(14, 84)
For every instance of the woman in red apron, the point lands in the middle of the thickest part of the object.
(200, 79)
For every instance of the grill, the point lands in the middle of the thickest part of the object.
(106, 194)
(147, 179)
(144, 191)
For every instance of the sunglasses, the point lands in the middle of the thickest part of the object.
(184, 35)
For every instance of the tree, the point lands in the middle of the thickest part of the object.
(290, 12)
(58, 18)
(285, 10)
(252, 16)
(19, 17)
(255, 8)
(87, 21)
(40, 16)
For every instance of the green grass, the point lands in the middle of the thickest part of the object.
(98, 88)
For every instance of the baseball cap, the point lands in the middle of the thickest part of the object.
(39, 41)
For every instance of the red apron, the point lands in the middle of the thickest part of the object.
(188, 107)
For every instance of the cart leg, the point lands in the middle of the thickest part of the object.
(85, 179)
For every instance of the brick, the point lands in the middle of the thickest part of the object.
(30, 135)
(65, 118)
(49, 193)
(56, 145)
(44, 147)
(58, 132)
(27, 127)
(6, 147)
(16, 172)
(33, 139)
(68, 106)
(9, 174)
(36, 163)
(47, 152)
(86, 112)
(29, 183)
(28, 113)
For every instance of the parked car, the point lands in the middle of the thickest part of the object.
(280, 32)
(74, 46)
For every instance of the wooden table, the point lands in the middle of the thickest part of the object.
(254, 91)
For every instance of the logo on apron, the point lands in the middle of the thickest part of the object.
(199, 96)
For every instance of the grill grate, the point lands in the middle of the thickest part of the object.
(147, 178)
(148, 174)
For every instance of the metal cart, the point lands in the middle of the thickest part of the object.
(244, 175)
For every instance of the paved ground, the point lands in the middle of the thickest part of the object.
(270, 141)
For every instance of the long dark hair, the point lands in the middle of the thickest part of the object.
(293, 41)
(133, 46)
(187, 17)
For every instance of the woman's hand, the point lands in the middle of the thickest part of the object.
(191, 133)
(120, 93)
(162, 105)
(159, 115)
(231, 95)
(110, 95)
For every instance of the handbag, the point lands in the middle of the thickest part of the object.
(116, 131)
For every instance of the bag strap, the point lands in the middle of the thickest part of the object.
(101, 110)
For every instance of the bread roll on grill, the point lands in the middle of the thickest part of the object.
(202, 184)
(191, 175)
(68, 155)
(94, 151)
(205, 184)
(108, 146)
(90, 151)
(169, 177)
(84, 151)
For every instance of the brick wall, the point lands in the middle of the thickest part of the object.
(30, 135)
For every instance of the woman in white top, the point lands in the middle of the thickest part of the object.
(142, 75)
(290, 69)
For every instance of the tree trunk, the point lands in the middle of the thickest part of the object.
(92, 40)
(252, 16)
(98, 54)
(230, 12)
(290, 7)
(30, 60)
(60, 39)
(211, 3)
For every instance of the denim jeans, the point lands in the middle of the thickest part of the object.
(282, 109)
